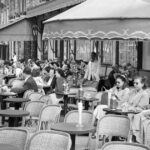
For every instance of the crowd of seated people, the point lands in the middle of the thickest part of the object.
(45, 73)
(38, 74)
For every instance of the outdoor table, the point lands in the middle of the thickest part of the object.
(16, 101)
(7, 147)
(5, 95)
(9, 76)
(87, 100)
(13, 115)
(119, 111)
(73, 130)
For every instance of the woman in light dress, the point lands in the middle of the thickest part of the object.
(120, 91)
(138, 99)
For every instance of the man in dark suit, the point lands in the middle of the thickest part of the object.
(29, 84)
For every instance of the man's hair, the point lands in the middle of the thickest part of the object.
(27, 70)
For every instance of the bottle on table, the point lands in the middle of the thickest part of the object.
(113, 102)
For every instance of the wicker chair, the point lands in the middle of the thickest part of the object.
(146, 135)
(123, 146)
(27, 93)
(73, 117)
(11, 80)
(49, 115)
(113, 125)
(34, 109)
(46, 99)
(13, 136)
(49, 140)
(54, 98)
(35, 96)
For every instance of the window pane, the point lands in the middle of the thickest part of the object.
(127, 53)
(83, 50)
(107, 52)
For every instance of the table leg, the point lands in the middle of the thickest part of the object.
(73, 139)
(13, 122)
(86, 105)
(65, 104)
(3, 106)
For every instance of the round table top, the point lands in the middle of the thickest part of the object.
(119, 111)
(7, 147)
(72, 128)
(10, 75)
(16, 100)
(8, 94)
(13, 113)
(91, 99)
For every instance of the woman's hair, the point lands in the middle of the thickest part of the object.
(124, 79)
(143, 80)
(60, 71)
(35, 72)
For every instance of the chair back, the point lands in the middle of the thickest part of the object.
(34, 109)
(46, 99)
(49, 115)
(13, 136)
(27, 93)
(123, 146)
(11, 80)
(104, 98)
(146, 136)
(113, 125)
(35, 96)
(17, 83)
(73, 117)
(49, 140)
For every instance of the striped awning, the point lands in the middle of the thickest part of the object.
(18, 30)
(104, 19)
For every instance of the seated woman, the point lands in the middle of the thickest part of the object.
(120, 91)
(59, 89)
(49, 86)
(38, 79)
(138, 99)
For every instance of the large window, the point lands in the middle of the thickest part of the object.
(84, 49)
(128, 52)
(107, 52)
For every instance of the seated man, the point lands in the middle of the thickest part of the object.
(29, 82)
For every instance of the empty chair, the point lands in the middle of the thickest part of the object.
(46, 99)
(49, 115)
(13, 136)
(73, 117)
(35, 96)
(27, 93)
(34, 108)
(113, 125)
(123, 146)
(49, 140)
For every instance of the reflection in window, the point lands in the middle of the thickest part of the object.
(127, 53)
(107, 52)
